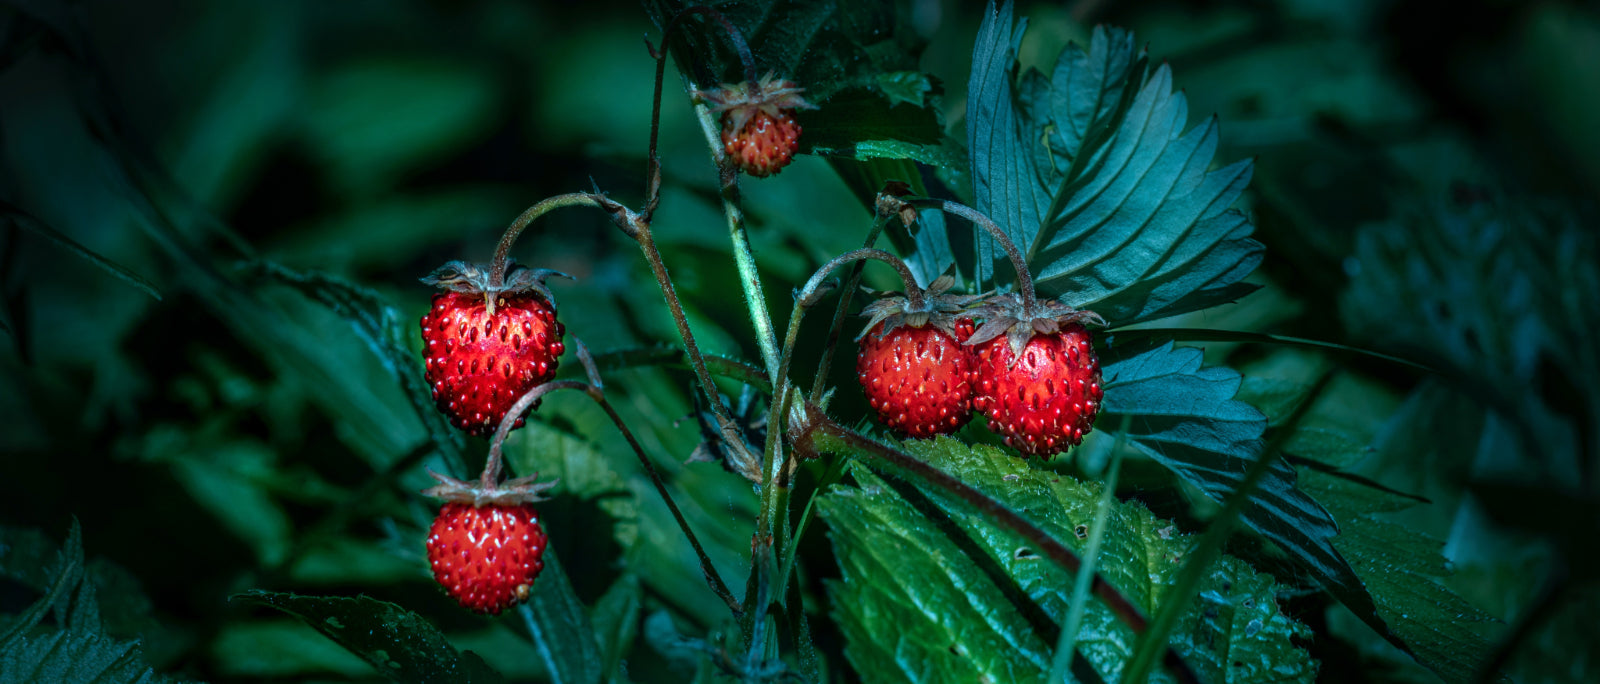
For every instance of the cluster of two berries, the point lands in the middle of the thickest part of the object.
(926, 362)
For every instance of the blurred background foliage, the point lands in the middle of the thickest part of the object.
(1425, 174)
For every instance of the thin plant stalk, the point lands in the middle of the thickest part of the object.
(1024, 278)
(502, 251)
(491, 470)
(1091, 559)
(842, 310)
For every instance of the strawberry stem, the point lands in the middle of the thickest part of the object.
(491, 470)
(1024, 278)
(502, 252)
(818, 386)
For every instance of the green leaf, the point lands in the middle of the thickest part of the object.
(1399, 568)
(1187, 418)
(921, 600)
(560, 628)
(75, 656)
(1117, 213)
(616, 622)
(74, 647)
(26, 221)
(377, 323)
(401, 645)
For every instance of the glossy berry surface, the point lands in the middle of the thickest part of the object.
(1047, 400)
(919, 380)
(486, 557)
(764, 144)
(478, 365)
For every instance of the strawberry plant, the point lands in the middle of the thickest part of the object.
(1301, 390)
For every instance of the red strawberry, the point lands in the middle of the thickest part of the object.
(919, 380)
(486, 557)
(1039, 383)
(479, 359)
(759, 132)
(912, 366)
(486, 546)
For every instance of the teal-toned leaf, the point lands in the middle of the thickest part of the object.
(399, 644)
(921, 601)
(73, 647)
(824, 46)
(616, 618)
(1186, 418)
(1090, 172)
(560, 627)
(22, 219)
(75, 656)
(377, 323)
(1399, 568)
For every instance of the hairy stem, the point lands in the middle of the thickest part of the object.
(1024, 278)
(491, 470)
(730, 430)
(820, 384)
(743, 257)
(502, 252)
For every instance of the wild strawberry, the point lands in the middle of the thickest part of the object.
(759, 132)
(1039, 381)
(486, 546)
(486, 346)
(912, 366)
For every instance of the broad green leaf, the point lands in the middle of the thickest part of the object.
(922, 601)
(378, 324)
(1399, 568)
(1186, 418)
(1090, 172)
(399, 644)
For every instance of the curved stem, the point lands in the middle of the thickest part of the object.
(914, 292)
(852, 442)
(1024, 278)
(502, 252)
(820, 384)
(491, 470)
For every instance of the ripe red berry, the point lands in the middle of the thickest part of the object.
(1044, 400)
(918, 379)
(486, 557)
(479, 360)
(759, 133)
(1038, 377)
(912, 363)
